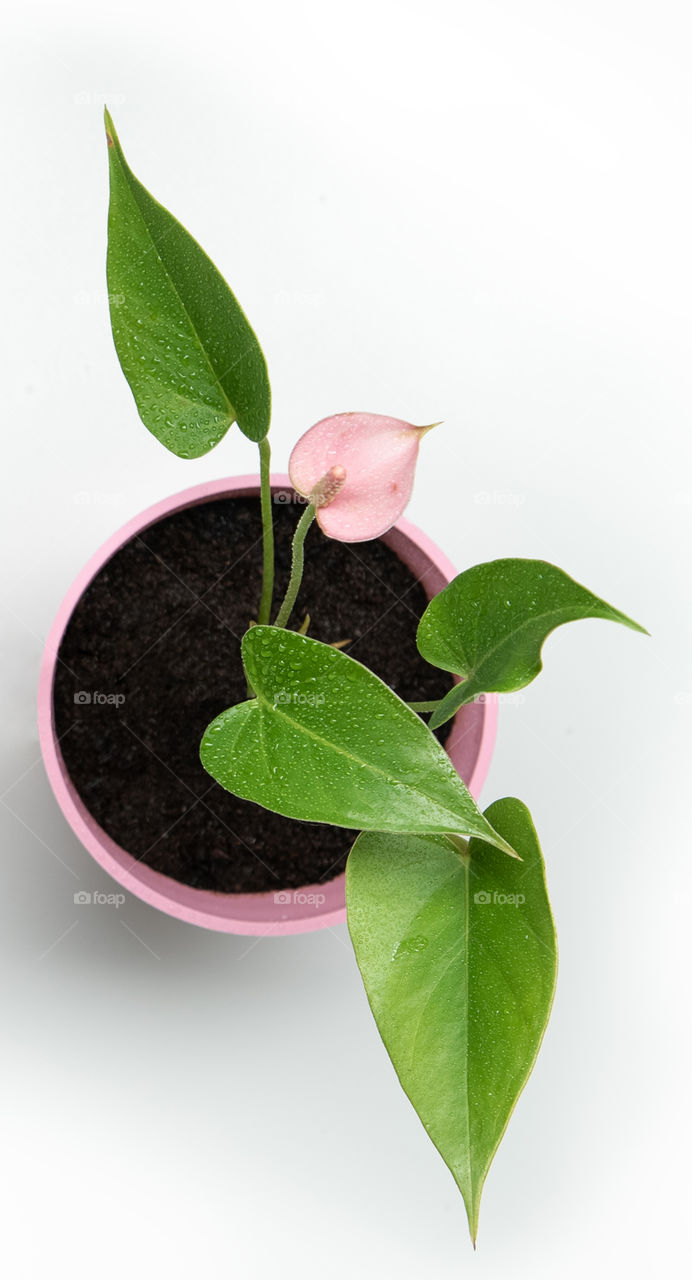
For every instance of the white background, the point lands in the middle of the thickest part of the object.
(476, 212)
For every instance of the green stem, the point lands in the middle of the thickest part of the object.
(460, 844)
(296, 567)
(423, 706)
(267, 533)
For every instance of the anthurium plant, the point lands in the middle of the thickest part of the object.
(447, 906)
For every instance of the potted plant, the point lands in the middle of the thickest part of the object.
(447, 906)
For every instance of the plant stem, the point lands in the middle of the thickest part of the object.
(423, 706)
(267, 533)
(296, 567)
(460, 844)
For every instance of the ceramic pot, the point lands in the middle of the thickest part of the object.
(469, 746)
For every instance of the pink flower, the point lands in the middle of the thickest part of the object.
(358, 469)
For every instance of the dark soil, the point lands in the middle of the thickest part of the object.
(157, 634)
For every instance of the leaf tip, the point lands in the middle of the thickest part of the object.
(492, 836)
(507, 848)
(617, 616)
(472, 1212)
(110, 129)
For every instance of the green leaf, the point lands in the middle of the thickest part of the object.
(489, 625)
(459, 959)
(326, 741)
(185, 346)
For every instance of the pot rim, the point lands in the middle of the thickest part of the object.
(263, 914)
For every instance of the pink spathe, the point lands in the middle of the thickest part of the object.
(379, 457)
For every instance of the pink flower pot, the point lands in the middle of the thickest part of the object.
(294, 911)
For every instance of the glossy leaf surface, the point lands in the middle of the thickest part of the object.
(490, 623)
(459, 959)
(185, 346)
(326, 741)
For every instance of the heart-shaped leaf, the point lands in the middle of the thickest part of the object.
(185, 346)
(326, 741)
(459, 959)
(489, 625)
